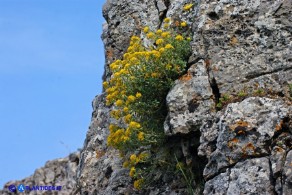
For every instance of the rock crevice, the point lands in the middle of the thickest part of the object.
(239, 48)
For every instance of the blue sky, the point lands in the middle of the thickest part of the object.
(51, 64)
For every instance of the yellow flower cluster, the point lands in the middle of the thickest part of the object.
(134, 159)
(132, 171)
(141, 136)
(146, 29)
(187, 7)
(179, 38)
(166, 20)
(138, 184)
(136, 91)
(183, 24)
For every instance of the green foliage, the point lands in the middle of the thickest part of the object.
(187, 175)
(223, 100)
(242, 94)
(259, 91)
(137, 90)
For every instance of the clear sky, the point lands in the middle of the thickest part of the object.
(51, 63)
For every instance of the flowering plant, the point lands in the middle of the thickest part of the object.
(137, 91)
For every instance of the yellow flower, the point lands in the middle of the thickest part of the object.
(161, 50)
(132, 171)
(166, 25)
(119, 132)
(110, 90)
(159, 31)
(150, 35)
(131, 98)
(146, 29)
(189, 39)
(115, 114)
(112, 127)
(110, 140)
(156, 53)
(133, 159)
(114, 66)
(179, 38)
(105, 84)
(177, 68)
(134, 60)
(138, 184)
(125, 138)
(126, 56)
(128, 132)
(123, 71)
(130, 49)
(169, 46)
(127, 66)
(165, 34)
(143, 156)
(138, 95)
(118, 62)
(188, 6)
(119, 102)
(134, 125)
(147, 55)
(127, 118)
(126, 164)
(126, 109)
(141, 136)
(159, 41)
(117, 74)
(183, 24)
(166, 20)
(135, 39)
(154, 75)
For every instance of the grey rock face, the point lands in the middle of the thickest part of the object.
(125, 19)
(190, 101)
(248, 177)
(238, 47)
(59, 172)
(100, 170)
(287, 175)
(245, 130)
(249, 130)
(247, 42)
(245, 47)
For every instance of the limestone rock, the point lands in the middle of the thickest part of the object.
(189, 101)
(287, 175)
(247, 42)
(238, 47)
(245, 130)
(59, 172)
(251, 176)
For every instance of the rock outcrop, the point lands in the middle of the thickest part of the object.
(59, 172)
(231, 120)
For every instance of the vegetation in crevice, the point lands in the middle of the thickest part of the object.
(137, 91)
(226, 98)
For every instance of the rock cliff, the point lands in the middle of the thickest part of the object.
(230, 120)
(58, 172)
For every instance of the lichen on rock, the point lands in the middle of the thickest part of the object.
(239, 48)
